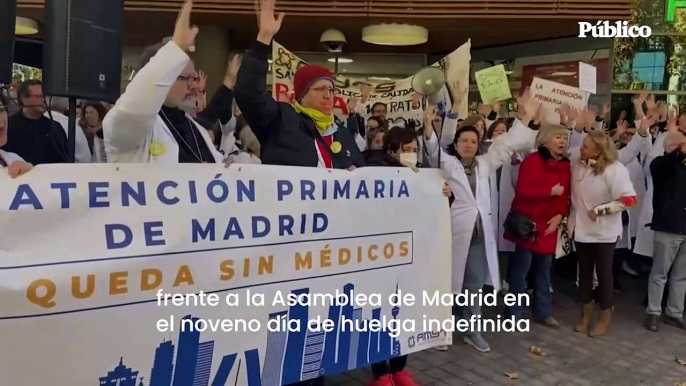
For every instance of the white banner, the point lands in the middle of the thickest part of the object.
(396, 95)
(552, 95)
(90, 254)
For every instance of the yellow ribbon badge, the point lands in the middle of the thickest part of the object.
(156, 148)
(336, 147)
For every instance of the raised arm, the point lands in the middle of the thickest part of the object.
(519, 138)
(640, 143)
(220, 107)
(433, 148)
(133, 117)
(259, 109)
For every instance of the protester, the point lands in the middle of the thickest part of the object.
(302, 134)
(32, 136)
(601, 190)
(400, 149)
(669, 224)
(542, 197)
(93, 115)
(474, 252)
(15, 165)
(148, 123)
(375, 141)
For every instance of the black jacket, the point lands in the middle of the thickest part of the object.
(286, 137)
(381, 158)
(669, 193)
(37, 141)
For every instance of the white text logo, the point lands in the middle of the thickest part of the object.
(620, 29)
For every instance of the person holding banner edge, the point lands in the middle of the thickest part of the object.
(15, 165)
(301, 134)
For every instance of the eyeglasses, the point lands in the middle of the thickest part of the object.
(325, 90)
(189, 79)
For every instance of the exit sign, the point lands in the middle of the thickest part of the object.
(670, 9)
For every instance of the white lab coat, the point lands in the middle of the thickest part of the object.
(9, 157)
(502, 202)
(82, 153)
(467, 206)
(635, 169)
(447, 136)
(133, 127)
(644, 235)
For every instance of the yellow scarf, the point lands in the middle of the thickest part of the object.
(321, 120)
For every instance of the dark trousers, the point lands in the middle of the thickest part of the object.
(598, 256)
(391, 366)
(319, 381)
(523, 263)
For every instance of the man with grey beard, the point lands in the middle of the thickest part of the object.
(149, 123)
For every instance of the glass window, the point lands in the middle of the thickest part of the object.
(655, 63)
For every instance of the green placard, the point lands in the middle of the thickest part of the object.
(670, 9)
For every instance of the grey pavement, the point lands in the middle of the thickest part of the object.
(627, 355)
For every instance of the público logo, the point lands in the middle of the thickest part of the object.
(620, 29)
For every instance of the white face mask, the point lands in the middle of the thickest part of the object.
(408, 158)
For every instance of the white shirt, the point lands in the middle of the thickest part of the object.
(9, 157)
(590, 190)
(82, 153)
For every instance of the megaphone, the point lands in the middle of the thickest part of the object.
(428, 80)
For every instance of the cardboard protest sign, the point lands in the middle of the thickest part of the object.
(493, 84)
(553, 95)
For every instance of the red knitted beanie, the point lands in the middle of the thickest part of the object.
(308, 75)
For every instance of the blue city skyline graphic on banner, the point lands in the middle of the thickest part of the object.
(289, 356)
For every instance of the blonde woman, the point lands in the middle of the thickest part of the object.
(601, 190)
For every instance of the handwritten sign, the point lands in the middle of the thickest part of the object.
(553, 95)
(493, 84)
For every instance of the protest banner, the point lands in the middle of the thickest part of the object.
(553, 95)
(493, 84)
(87, 249)
(398, 95)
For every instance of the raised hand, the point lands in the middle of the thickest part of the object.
(621, 127)
(572, 113)
(590, 115)
(606, 110)
(232, 71)
(366, 91)
(458, 93)
(672, 120)
(429, 115)
(202, 80)
(650, 103)
(268, 21)
(416, 100)
(184, 33)
(563, 112)
(352, 105)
